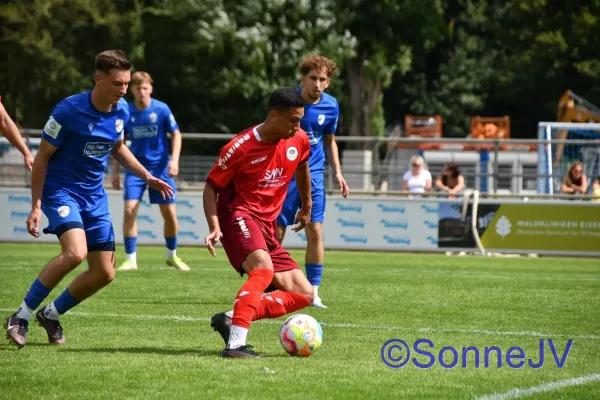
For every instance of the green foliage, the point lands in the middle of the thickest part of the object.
(215, 61)
(50, 47)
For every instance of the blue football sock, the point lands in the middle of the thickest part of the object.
(130, 244)
(171, 242)
(65, 302)
(36, 294)
(314, 273)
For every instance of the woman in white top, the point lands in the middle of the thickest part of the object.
(418, 179)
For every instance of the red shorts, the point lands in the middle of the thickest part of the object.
(243, 234)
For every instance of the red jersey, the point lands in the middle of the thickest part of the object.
(253, 176)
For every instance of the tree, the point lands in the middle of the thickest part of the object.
(549, 47)
(392, 37)
(49, 48)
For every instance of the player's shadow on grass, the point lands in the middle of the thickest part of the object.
(161, 351)
(225, 304)
(146, 350)
(9, 346)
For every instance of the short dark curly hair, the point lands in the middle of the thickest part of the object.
(283, 99)
(318, 62)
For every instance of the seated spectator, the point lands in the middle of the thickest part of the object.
(418, 179)
(596, 190)
(451, 180)
(575, 182)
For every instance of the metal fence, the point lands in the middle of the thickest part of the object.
(515, 167)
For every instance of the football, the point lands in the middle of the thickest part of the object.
(301, 335)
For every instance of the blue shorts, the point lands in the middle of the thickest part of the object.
(135, 187)
(292, 202)
(64, 214)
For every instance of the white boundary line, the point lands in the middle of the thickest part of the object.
(545, 387)
(336, 325)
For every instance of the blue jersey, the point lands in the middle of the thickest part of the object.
(147, 130)
(319, 119)
(84, 137)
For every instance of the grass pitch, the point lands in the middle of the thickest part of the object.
(147, 335)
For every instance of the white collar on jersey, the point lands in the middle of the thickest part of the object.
(256, 135)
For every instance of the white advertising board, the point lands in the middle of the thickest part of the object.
(355, 223)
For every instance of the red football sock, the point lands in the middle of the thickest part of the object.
(248, 298)
(279, 303)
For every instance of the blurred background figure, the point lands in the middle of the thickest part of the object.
(575, 181)
(417, 179)
(451, 181)
(596, 190)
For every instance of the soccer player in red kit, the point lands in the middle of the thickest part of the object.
(242, 199)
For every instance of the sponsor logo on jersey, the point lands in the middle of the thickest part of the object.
(140, 132)
(97, 149)
(258, 160)
(274, 173)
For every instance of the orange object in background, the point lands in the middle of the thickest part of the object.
(428, 126)
(489, 128)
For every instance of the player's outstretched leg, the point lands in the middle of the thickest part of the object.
(293, 293)
(315, 254)
(101, 271)
(259, 268)
(170, 216)
(130, 229)
(74, 251)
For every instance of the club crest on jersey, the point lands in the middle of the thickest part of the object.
(119, 125)
(321, 119)
(132, 119)
(153, 117)
(292, 153)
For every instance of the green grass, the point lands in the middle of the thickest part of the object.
(129, 341)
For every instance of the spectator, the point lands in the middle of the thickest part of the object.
(451, 180)
(596, 190)
(575, 182)
(418, 179)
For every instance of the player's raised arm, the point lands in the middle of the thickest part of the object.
(123, 155)
(11, 132)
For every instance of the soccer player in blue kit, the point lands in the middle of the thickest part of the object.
(67, 185)
(320, 119)
(151, 121)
